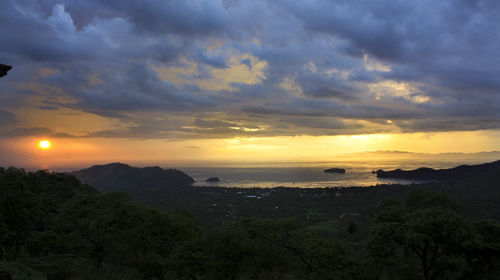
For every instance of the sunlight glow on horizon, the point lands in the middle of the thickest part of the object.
(44, 144)
(85, 152)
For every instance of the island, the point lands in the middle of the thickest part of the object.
(335, 170)
(213, 179)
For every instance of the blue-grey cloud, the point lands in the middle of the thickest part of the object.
(35, 131)
(331, 67)
(7, 118)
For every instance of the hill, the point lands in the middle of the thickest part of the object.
(480, 172)
(122, 177)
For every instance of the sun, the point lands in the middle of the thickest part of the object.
(44, 144)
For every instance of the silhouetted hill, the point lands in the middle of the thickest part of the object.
(481, 172)
(122, 177)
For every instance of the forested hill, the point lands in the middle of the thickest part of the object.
(122, 177)
(54, 227)
(480, 172)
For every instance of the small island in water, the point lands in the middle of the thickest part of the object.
(213, 179)
(335, 170)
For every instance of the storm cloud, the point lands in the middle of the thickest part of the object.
(217, 69)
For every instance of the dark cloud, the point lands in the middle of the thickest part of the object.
(50, 108)
(436, 125)
(7, 118)
(212, 60)
(453, 42)
(138, 88)
(35, 131)
(174, 16)
(315, 86)
(247, 62)
(330, 67)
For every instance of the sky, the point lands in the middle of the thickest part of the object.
(201, 80)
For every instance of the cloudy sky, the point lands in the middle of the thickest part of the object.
(167, 79)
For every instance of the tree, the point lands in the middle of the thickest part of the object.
(95, 219)
(428, 233)
(484, 257)
(438, 237)
(20, 210)
(322, 258)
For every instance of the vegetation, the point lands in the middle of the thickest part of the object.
(54, 227)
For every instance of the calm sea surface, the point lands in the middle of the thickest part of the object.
(308, 175)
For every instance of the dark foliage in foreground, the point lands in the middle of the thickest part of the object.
(54, 227)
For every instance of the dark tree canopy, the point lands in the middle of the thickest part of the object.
(54, 227)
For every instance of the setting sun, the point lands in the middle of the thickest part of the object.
(44, 144)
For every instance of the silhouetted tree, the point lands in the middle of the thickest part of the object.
(429, 230)
(4, 69)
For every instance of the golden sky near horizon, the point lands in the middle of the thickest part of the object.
(72, 152)
(244, 81)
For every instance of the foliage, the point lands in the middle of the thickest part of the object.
(55, 227)
(428, 237)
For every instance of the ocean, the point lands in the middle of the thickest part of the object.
(310, 174)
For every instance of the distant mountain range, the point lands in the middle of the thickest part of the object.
(493, 155)
(122, 177)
